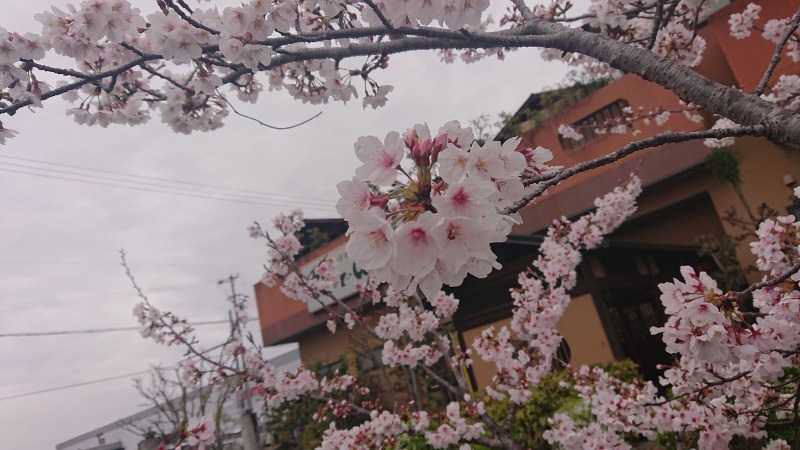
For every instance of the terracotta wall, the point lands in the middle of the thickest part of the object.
(280, 317)
(749, 57)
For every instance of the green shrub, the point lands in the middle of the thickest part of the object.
(554, 394)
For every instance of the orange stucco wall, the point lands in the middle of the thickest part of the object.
(323, 347)
(281, 317)
(749, 57)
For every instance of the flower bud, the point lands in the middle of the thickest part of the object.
(421, 153)
(439, 144)
(410, 138)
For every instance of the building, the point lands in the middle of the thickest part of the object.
(127, 433)
(616, 301)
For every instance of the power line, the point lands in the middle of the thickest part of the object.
(180, 194)
(166, 180)
(313, 202)
(136, 183)
(100, 380)
(113, 294)
(98, 330)
(68, 386)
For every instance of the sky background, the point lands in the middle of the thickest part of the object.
(59, 240)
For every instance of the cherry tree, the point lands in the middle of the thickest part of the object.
(424, 207)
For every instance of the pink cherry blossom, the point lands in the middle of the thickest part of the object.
(380, 159)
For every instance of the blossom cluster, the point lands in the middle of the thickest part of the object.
(163, 327)
(773, 30)
(319, 280)
(544, 296)
(200, 432)
(230, 46)
(433, 216)
(105, 35)
(728, 367)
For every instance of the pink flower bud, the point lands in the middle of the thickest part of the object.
(421, 153)
(410, 138)
(439, 144)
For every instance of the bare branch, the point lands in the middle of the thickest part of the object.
(657, 21)
(380, 14)
(188, 18)
(289, 127)
(706, 386)
(768, 283)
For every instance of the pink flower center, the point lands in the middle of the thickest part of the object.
(453, 232)
(418, 235)
(460, 198)
(388, 161)
(377, 237)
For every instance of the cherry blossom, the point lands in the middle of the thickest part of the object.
(569, 132)
(742, 23)
(200, 432)
(424, 208)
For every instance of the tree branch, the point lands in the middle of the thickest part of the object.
(289, 127)
(776, 57)
(667, 137)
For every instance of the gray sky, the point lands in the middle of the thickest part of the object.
(59, 240)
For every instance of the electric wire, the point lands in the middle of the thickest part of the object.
(98, 330)
(99, 380)
(167, 180)
(180, 194)
(112, 295)
(74, 385)
(141, 183)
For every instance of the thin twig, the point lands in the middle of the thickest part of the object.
(56, 70)
(380, 15)
(776, 57)
(188, 18)
(657, 22)
(705, 387)
(175, 334)
(262, 123)
(768, 283)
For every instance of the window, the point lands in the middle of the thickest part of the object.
(563, 355)
(588, 124)
(370, 361)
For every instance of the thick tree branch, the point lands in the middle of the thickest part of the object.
(782, 126)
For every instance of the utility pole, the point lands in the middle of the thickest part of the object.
(247, 419)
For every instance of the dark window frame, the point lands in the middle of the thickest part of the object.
(586, 126)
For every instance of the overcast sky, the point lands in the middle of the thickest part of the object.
(59, 240)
